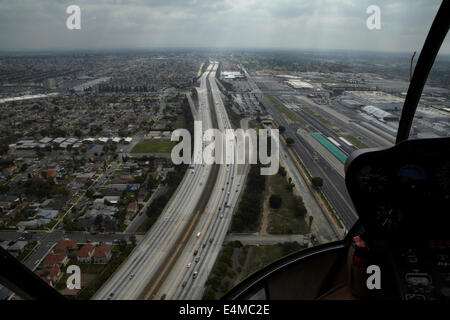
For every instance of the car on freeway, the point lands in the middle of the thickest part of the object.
(197, 259)
(195, 275)
(184, 284)
(189, 265)
(195, 252)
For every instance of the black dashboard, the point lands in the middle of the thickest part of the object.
(402, 197)
(402, 192)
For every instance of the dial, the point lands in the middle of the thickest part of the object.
(372, 179)
(387, 217)
(443, 178)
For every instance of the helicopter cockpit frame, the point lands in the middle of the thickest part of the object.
(401, 195)
(399, 248)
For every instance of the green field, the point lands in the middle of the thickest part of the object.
(154, 146)
(284, 220)
(285, 111)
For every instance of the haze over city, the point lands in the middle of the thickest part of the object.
(216, 23)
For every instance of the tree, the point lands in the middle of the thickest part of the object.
(317, 182)
(300, 210)
(77, 133)
(275, 201)
(282, 129)
(89, 193)
(311, 218)
(290, 141)
(151, 182)
(290, 186)
(122, 244)
(98, 220)
(133, 239)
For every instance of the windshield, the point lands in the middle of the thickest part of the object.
(170, 149)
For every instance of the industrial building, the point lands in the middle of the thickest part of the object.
(382, 100)
(379, 114)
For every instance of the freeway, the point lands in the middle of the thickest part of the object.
(132, 276)
(188, 277)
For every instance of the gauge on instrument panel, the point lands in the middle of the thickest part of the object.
(372, 179)
(412, 175)
(443, 178)
(387, 217)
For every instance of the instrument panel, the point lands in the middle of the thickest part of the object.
(402, 191)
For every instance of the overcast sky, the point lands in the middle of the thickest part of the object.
(308, 24)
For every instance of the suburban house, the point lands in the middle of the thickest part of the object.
(84, 255)
(102, 254)
(55, 259)
(17, 248)
(65, 246)
(51, 275)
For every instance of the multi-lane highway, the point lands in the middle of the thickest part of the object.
(188, 276)
(133, 275)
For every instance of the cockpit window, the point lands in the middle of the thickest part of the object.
(171, 149)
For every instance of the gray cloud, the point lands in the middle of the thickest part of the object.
(327, 24)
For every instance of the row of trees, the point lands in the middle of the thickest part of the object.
(156, 207)
(218, 279)
(44, 188)
(248, 214)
